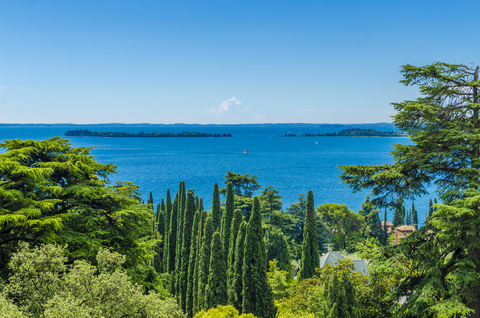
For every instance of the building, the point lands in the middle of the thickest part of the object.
(402, 232)
(333, 257)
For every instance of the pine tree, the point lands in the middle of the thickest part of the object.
(257, 293)
(227, 217)
(237, 219)
(310, 257)
(189, 215)
(189, 309)
(235, 289)
(201, 226)
(216, 213)
(216, 290)
(204, 266)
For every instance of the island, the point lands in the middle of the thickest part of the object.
(353, 132)
(88, 133)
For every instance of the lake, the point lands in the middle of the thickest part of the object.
(292, 165)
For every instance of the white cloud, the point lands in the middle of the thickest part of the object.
(226, 105)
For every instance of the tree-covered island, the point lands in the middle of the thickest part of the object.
(88, 133)
(353, 132)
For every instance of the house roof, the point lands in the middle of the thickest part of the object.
(388, 223)
(405, 228)
(333, 257)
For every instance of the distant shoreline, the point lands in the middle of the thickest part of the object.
(113, 134)
(353, 132)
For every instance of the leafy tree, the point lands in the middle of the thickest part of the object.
(216, 290)
(216, 213)
(444, 125)
(310, 257)
(257, 294)
(50, 191)
(204, 265)
(43, 285)
(222, 312)
(243, 184)
(346, 226)
(235, 296)
(271, 200)
(276, 245)
(277, 279)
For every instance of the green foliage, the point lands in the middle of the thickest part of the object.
(189, 308)
(257, 294)
(188, 222)
(277, 279)
(204, 265)
(237, 219)
(222, 312)
(172, 235)
(216, 290)
(399, 213)
(235, 296)
(310, 257)
(444, 127)
(347, 226)
(340, 297)
(276, 245)
(270, 200)
(196, 277)
(242, 184)
(227, 218)
(43, 286)
(216, 213)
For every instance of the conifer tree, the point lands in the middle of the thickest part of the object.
(168, 211)
(204, 266)
(414, 216)
(276, 245)
(373, 225)
(237, 219)
(178, 248)
(189, 215)
(398, 214)
(201, 226)
(200, 206)
(197, 203)
(227, 217)
(189, 309)
(385, 228)
(340, 297)
(235, 289)
(310, 257)
(216, 213)
(257, 293)
(162, 205)
(172, 235)
(158, 259)
(216, 290)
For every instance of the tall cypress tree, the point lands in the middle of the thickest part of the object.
(257, 293)
(310, 257)
(158, 259)
(398, 214)
(201, 226)
(216, 213)
(227, 217)
(189, 215)
(189, 309)
(340, 297)
(200, 206)
(216, 290)
(414, 216)
(172, 245)
(178, 251)
(204, 266)
(168, 211)
(385, 229)
(237, 219)
(235, 289)
(162, 205)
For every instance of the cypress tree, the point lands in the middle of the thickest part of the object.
(276, 245)
(228, 216)
(340, 297)
(197, 203)
(189, 215)
(201, 226)
(237, 219)
(216, 213)
(373, 224)
(162, 205)
(216, 290)
(398, 213)
(158, 259)
(204, 266)
(310, 257)
(235, 289)
(172, 245)
(168, 211)
(200, 206)
(150, 199)
(191, 265)
(414, 216)
(178, 247)
(385, 229)
(257, 294)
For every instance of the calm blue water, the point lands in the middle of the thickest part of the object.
(293, 165)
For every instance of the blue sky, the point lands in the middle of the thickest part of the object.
(221, 61)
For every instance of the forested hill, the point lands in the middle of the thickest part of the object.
(354, 132)
(88, 133)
